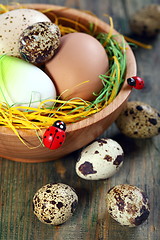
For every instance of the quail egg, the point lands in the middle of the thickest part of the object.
(139, 120)
(100, 160)
(145, 22)
(55, 203)
(38, 42)
(128, 205)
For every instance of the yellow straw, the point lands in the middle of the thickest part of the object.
(138, 43)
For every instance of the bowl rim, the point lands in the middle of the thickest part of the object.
(125, 90)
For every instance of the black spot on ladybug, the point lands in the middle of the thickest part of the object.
(56, 130)
(50, 134)
(57, 137)
(118, 160)
(86, 168)
(63, 136)
(60, 143)
(139, 108)
(73, 206)
(153, 121)
(44, 137)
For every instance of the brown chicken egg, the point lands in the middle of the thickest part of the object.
(76, 67)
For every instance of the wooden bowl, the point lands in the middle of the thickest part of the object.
(77, 134)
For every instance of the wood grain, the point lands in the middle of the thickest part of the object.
(20, 181)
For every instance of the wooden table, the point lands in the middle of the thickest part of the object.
(20, 181)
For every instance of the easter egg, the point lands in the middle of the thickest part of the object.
(23, 84)
(128, 205)
(12, 25)
(139, 120)
(55, 203)
(100, 160)
(76, 67)
(38, 42)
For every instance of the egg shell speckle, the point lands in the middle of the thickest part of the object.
(55, 203)
(128, 205)
(100, 160)
(12, 25)
(139, 120)
(38, 42)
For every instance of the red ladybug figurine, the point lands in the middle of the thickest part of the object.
(55, 135)
(136, 82)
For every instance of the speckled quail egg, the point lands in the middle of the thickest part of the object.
(128, 205)
(146, 21)
(12, 25)
(100, 160)
(55, 203)
(139, 120)
(38, 42)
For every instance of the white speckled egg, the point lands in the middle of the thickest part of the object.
(100, 160)
(139, 120)
(128, 205)
(55, 203)
(38, 42)
(12, 25)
